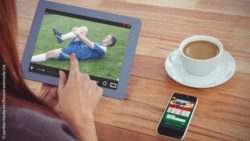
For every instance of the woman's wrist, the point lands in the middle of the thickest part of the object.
(80, 121)
(85, 128)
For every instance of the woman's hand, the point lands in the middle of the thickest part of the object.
(78, 98)
(50, 96)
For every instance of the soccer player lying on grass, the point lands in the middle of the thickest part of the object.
(80, 45)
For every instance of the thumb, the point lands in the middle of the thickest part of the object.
(62, 81)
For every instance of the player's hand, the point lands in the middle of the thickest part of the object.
(50, 96)
(84, 30)
(78, 95)
(77, 32)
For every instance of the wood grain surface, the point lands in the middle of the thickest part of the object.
(223, 112)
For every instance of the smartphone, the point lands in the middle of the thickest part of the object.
(177, 116)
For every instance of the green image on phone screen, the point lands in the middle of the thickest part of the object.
(177, 114)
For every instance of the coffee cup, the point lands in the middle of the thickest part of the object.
(200, 54)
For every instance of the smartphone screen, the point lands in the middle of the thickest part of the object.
(177, 116)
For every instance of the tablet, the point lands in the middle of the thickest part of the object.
(104, 44)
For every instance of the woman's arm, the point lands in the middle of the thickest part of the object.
(86, 131)
(78, 98)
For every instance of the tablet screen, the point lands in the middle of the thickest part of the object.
(99, 46)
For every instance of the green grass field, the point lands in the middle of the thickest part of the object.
(108, 67)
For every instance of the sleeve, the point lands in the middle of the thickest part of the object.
(98, 49)
(29, 125)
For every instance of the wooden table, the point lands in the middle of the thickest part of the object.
(223, 112)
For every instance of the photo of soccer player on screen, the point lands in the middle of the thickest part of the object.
(99, 45)
(80, 45)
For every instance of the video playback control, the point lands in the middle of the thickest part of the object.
(50, 71)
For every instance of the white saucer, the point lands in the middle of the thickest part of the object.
(220, 75)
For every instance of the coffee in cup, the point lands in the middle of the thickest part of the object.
(200, 54)
(201, 50)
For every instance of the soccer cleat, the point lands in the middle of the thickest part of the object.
(58, 35)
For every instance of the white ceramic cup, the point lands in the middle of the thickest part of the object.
(200, 67)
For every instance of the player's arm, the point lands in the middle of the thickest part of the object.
(84, 39)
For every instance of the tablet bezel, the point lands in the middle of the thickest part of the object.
(119, 93)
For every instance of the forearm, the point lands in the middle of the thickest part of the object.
(86, 40)
(86, 132)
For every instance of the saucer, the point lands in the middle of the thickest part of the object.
(220, 75)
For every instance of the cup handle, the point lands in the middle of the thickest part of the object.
(173, 58)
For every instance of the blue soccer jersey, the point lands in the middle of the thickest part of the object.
(82, 51)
